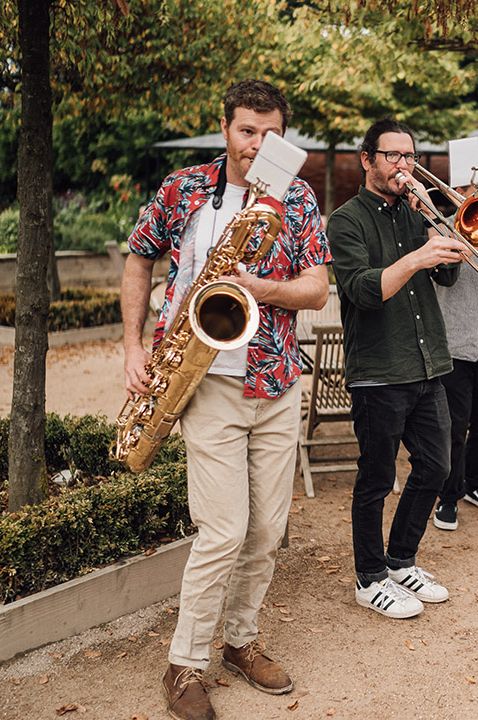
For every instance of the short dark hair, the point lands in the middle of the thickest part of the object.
(256, 95)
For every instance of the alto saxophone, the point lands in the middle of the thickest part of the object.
(214, 315)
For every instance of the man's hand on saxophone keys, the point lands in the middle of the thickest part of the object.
(136, 377)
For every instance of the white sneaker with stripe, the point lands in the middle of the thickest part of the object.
(388, 598)
(419, 584)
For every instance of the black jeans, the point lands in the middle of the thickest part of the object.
(416, 414)
(461, 388)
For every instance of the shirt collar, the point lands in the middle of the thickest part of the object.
(377, 201)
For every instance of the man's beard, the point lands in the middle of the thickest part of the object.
(390, 187)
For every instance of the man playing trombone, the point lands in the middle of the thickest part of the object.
(395, 354)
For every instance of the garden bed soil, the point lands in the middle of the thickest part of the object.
(348, 663)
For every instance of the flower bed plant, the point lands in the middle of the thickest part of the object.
(105, 515)
(77, 308)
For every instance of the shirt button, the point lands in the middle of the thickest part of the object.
(421, 340)
(418, 317)
(411, 292)
(399, 244)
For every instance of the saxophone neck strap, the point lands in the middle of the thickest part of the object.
(221, 186)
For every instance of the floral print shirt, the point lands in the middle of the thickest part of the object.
(273, 362)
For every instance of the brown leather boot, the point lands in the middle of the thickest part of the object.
(258, 669)
(187, 694)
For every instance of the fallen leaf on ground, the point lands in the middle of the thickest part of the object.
(284, 610)
(323, 558)
(293, 706)
(133, 638)
(409, 645)
(470, 679)
(222, 682)
(314, 630)
(92, 653)
(446, 547)
(279, 604)
(154, 634)
(71, 707)
(165, 641)
(286, 619)
(331, 570)
(122, 654)
(43, 679)
(218, 644)
(150, 551)
(330, 712)
(141, 716)
(347, 520)
(345, 580)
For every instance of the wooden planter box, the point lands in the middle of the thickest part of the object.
(96, 598)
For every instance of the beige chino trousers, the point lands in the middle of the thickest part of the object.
(241, 461)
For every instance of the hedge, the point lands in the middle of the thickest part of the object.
(78, 443)
(86, 527)
(79, 307)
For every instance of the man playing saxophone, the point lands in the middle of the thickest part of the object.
(241, 425)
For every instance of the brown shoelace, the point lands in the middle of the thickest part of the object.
(188, 676)
(256, 647)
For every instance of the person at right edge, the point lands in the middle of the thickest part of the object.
(395, 353)
(458, 305)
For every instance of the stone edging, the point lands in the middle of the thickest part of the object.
(112, 331)
(96, 598)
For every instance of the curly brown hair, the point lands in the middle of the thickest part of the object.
(256, 95)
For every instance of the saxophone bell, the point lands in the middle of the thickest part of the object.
(223, 315)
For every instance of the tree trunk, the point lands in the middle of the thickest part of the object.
(27, 467)
(53, 279)
(329, 179)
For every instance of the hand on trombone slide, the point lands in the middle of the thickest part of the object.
(441, 250)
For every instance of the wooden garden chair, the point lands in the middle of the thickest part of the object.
(326, 400)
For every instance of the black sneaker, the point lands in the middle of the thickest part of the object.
(445, 516)
(472, 497)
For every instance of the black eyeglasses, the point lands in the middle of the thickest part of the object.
(393, 156)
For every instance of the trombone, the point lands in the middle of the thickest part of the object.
(465, 226)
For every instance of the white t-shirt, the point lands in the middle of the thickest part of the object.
(209, 227)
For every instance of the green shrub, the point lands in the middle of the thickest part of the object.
(84, 528)
(77, 308)
(85, 231)
(9, 220)
(89, 441)
(57, 440)
(80, 443)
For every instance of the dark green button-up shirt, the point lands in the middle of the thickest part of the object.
(401, 339)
